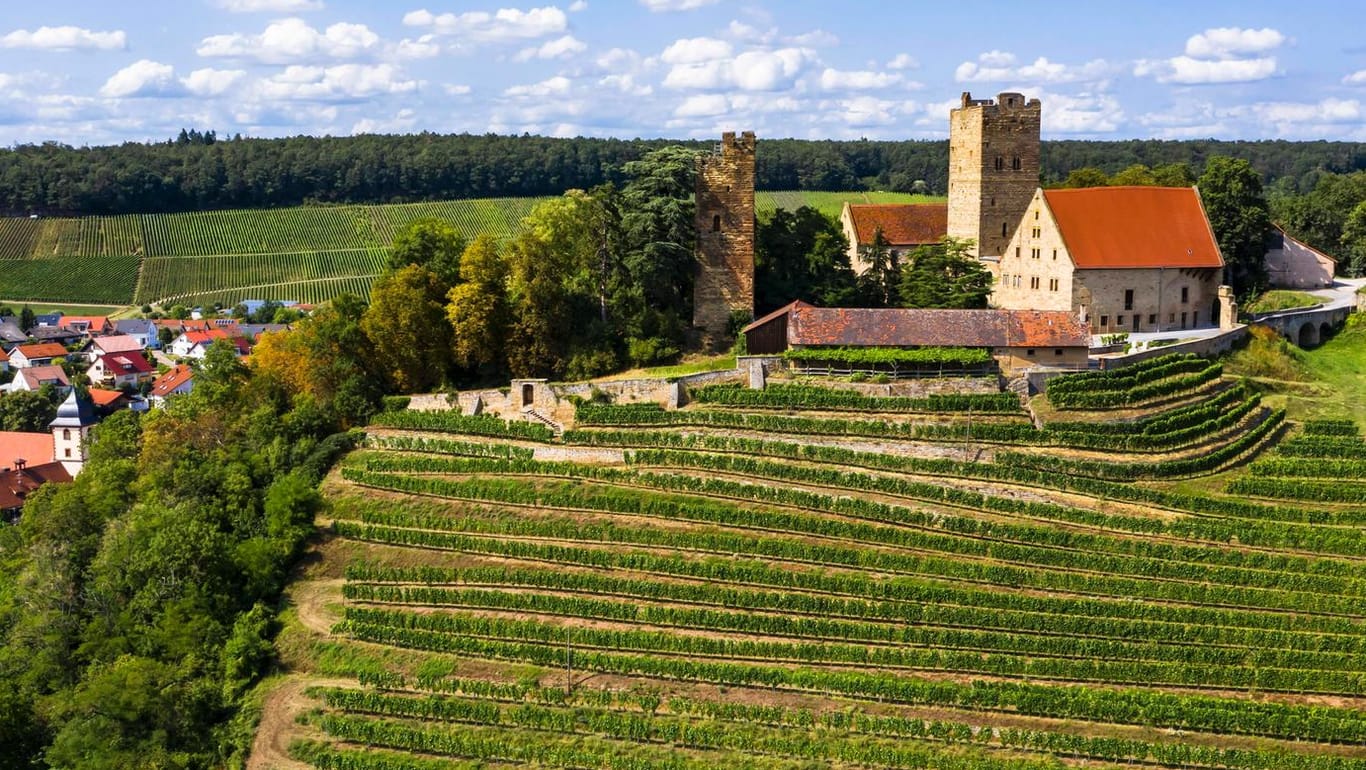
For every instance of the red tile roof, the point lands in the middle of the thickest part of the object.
(902, 327)
(904, 224)
(117, 343)
(42, 350)
(103, 398)
(172, 379)
(95, 322)
(36, 375)
(1128, 227)
(205, 336)
(31, 447)
(15, 485)
(126, 363)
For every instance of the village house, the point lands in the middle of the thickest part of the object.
(195, 344)
(56, 335)
(41, 354)
(86, 324)
(1293, 264)
(904, 227)
(141, 329)
(178, 380)
(10, 333)
(114, 343)
(29, 460)
(35, 377)
(1128, 259)
(121, 370)
(1017, 339)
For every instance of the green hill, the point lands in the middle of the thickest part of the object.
(306, 253)
(729, 584)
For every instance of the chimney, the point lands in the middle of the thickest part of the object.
(19, 464)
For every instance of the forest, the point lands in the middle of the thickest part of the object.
(200, 170)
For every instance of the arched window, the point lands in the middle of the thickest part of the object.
(66, 434)
(1000, 163)
(1015, 163)
(1003, 229)
(716, 223)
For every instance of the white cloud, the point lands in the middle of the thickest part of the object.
(455, 89)
(1218, 55)
(270, 6)
(696, 49)
(558, 48)
(338, 83)
(1228, 42)
(1083, 113)
(660, 6)
(142, 78)
(769, 70)
(578, 5)
(1325, 111)
(501, 26)
(903, 61)
(865, 111)
(1356, 78)
(702, 106)
(423, 47)
(999, 66)
(858, 80)
(65, 39)
(816, 38)
(556, 86)
(626, 84)
(211, 82)
(1188, 71)
(293, 40)
(404, 120)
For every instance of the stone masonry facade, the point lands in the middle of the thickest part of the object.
(993, 168)
(725, 234)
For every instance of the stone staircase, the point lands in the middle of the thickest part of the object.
(532, 415)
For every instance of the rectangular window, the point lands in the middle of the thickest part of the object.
(1038, 253)
(1052, 284)
(1104, 321)
(1036, 213)
(1152, 318)
(1029, 352)
(1036, 232)
(1183, 320)
(1185, 294)
(1034, 282)
(1171, 318)
(1057, 351)
(1119, 320)
(1055, 253)
(1195, 318)
(1128, 300)
(1017, 252)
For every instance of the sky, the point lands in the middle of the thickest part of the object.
(88, 72)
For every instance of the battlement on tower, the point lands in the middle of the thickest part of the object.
(725, 233)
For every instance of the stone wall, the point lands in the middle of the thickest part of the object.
(725, 234)
(1157, 309)
(993, 168)
(916, 388)
(1207, 346)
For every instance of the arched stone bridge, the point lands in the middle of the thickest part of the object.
(1309, 326)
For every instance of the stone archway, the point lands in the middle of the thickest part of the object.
(528, 394)
(1325, 331)
(1308, 335)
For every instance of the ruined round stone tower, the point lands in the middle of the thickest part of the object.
(993, 168)
(725, 234)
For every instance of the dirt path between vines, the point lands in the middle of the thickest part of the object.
(278, 728)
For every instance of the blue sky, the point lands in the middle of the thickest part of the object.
(84, 72)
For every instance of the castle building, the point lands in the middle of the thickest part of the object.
(904, 227)
(1131, 259)
(725, 234)
(993, 168)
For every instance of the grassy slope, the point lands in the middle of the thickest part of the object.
(1326, 382)
(1282, 299)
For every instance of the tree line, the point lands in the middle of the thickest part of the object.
(201, 171)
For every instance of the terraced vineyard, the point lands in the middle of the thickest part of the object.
(931, 582)
(303, 253)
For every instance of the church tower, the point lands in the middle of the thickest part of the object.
(71, 430)
(993, 168)
(725, 234)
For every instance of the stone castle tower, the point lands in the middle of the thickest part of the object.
(725, 234)
(993, 168)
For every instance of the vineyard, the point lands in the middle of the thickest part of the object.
(811, 576)
(307, 253)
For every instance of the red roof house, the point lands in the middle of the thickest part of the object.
(903, 227)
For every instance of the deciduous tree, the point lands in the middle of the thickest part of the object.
(407, 329)
(1232, 194)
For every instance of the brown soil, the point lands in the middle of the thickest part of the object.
(279, 726)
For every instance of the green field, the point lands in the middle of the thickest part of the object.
(304, 253)
(721, 586)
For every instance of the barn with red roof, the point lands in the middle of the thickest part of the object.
(904, 226)
(1127, 259)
